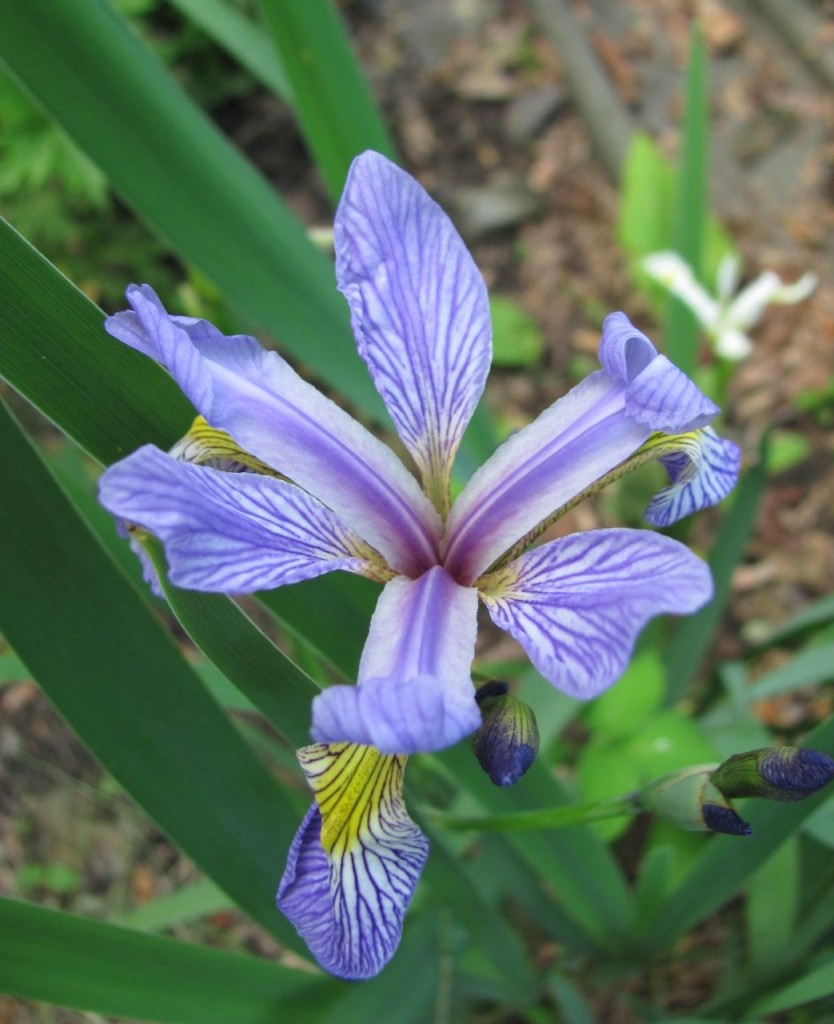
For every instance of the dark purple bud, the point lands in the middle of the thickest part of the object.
(689, 800)
(508, 740)
(776, 773)
(720, 818)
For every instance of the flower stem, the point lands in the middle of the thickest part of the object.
(547, 817)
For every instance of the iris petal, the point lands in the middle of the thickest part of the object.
(577, 604)
(703, 469)
(256, 397)
(658, 394)
(419, 310)
(355, 861)
(231, 532)
(414, 691)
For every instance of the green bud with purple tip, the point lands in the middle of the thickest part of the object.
(508, 740)
(776, 773)
(689, 800)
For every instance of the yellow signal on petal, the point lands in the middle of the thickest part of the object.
(203, 445)
(353, 785)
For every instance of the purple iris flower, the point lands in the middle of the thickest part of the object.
(344, 500)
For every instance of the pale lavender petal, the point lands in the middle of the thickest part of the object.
(659, 395)
(577, 604)
(355, 861)
(536, 471)
(418, 306)
(229, 532)
(256, 397)
(415, 690)
(703, 471)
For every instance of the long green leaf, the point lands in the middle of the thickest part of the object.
(572, 862)
(806, 668)
(58, 958)
(334, 107)
(692, 204)
(817, 983)
(174, 168)
(111, 669)
(53, 349)
(241, 37)
(89, 965)
(331, 613)
(820, 613)
(228, 638)
(189, 903)
(772, 902)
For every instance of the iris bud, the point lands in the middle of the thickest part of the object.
(689, 800)
(777, 773)
(508, 740)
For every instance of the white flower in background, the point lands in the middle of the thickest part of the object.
(727, 316)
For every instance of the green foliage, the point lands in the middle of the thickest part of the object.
(649, 188)
(517, 339)
(336, 112)
(664, 207)
(612, 763)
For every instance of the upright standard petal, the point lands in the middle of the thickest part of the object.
(419, 310)
(703, 469)
(414, 691)
(231, 532)
(355, 861)
(577, 604)
(257, 398)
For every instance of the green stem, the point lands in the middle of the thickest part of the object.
(547, 817)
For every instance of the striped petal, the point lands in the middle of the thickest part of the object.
(419, 310)
(414, 691)
(703, 469)
(658, 394)
(231, 532)
(257, 398)
(355, 861)
(577, 604)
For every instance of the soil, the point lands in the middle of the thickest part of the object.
(481, 107)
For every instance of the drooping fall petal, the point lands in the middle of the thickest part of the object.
(577, 604)
(703, 469)
(230, 532)
(355, 861)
